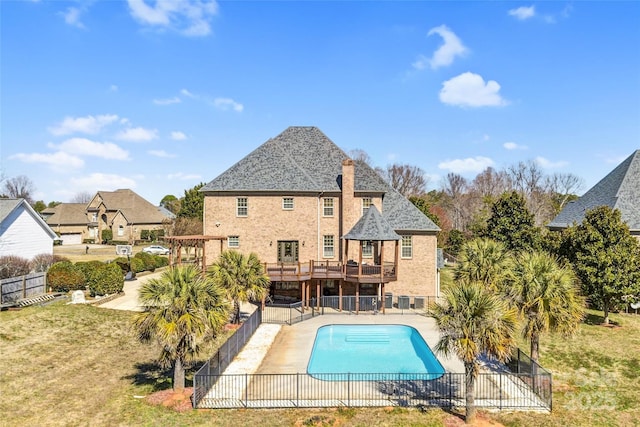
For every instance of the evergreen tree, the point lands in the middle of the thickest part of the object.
(192, 204)
(512, 224)
(606, 258)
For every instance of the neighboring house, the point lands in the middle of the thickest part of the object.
(620, 189)
(123, 212)
(23, 232)
(322, 223)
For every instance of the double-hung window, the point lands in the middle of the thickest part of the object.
(406, 247)
(366, 204)
(242, 207)
(367, 249)
(328, 246)
(287, 203)
(327, 206)
(233, 241)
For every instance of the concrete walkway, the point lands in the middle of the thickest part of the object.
(129, 301)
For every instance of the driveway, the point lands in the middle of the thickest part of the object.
(129, 301)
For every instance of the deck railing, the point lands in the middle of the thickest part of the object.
(279, 271)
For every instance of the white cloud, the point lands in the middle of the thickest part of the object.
(470, 90)
(113, 88)
(178, 136)
(470, 164)
(226, 104)
(167, 101)
(189, 17)
(514, 146)
(448, 51)
(137, 134)
(86, 147)
(548, 164)
(160, 153)
(186, 93)
(102, 182)
(420, 63)
(88, 124)
(182, 176)
(72, 17)
(523, 13)
(59, 161)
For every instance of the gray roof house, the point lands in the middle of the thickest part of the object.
(620, 189)
(298, 199)
(23, 232)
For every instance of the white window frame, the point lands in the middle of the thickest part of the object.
(406, 247)
(121, 230)
(328, 246)
(233, 241)
(242, 206)
(287, 203)
(367, 202)
(367, 249)
(327, 206)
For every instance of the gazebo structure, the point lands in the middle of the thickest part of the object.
(195, 242)
(372, 228)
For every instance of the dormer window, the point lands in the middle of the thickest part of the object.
(366, 204)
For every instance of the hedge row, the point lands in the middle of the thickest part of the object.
(99, 277)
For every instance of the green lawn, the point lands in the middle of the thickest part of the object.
(81, 365)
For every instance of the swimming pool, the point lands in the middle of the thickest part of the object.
(395, 351)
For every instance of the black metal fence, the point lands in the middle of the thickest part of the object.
(209, 373)
(492, 391)
(539, 379)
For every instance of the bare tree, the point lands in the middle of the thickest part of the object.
(455, 187)
(406, 179)
(564, 185)
(82, 197)
(360, 156)
(490, 184)
(20, 187)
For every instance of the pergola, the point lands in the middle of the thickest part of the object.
(197, 242)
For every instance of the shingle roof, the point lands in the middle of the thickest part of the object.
(136, 209)
(7, 206)
(303, 159)
(372, 226)
(620, 189)
(67, 214)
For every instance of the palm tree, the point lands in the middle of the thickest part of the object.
(546, 296)
(483, 261)
(242, 277)
(473, 320)
(183, 311)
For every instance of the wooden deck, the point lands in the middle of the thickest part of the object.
(299, 272)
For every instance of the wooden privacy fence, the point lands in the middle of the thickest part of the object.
(15, 288)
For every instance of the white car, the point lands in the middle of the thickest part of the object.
(156, 250)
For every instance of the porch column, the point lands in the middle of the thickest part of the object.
(318, 295)
(302, 291)
(382, 298)
(340, 296)
(357, 297)
(381, 261)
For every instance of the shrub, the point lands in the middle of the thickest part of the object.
(123, 263)
(119, 242)
(147, 259)
(42, 262)
(85, 241)
(160, 261)
(106, 280)
(87, 268)
(64, 277)
(107, 235)
(137, 265)
(13, 266)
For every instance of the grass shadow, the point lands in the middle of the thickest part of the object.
(153, 375)
(597, 320)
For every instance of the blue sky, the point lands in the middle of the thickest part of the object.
(159, 96)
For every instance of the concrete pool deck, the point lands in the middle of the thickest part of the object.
(291, 349)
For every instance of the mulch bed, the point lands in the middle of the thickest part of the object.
(176, 400)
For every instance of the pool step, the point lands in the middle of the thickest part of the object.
(367, 337)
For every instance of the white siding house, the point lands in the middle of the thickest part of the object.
(23, 232)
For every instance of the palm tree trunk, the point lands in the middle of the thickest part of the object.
(178, 375)
(470, 392)
(236, 309)
(535, 347)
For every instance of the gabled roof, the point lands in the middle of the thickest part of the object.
(372, 226)
(8, 206)
(620, 189)
(136, 209)
(303, 159)
(67, 214)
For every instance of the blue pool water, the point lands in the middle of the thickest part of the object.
(396, 351)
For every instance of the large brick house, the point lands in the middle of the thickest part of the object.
(123, 212)
(322, 223)
(620, 189)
